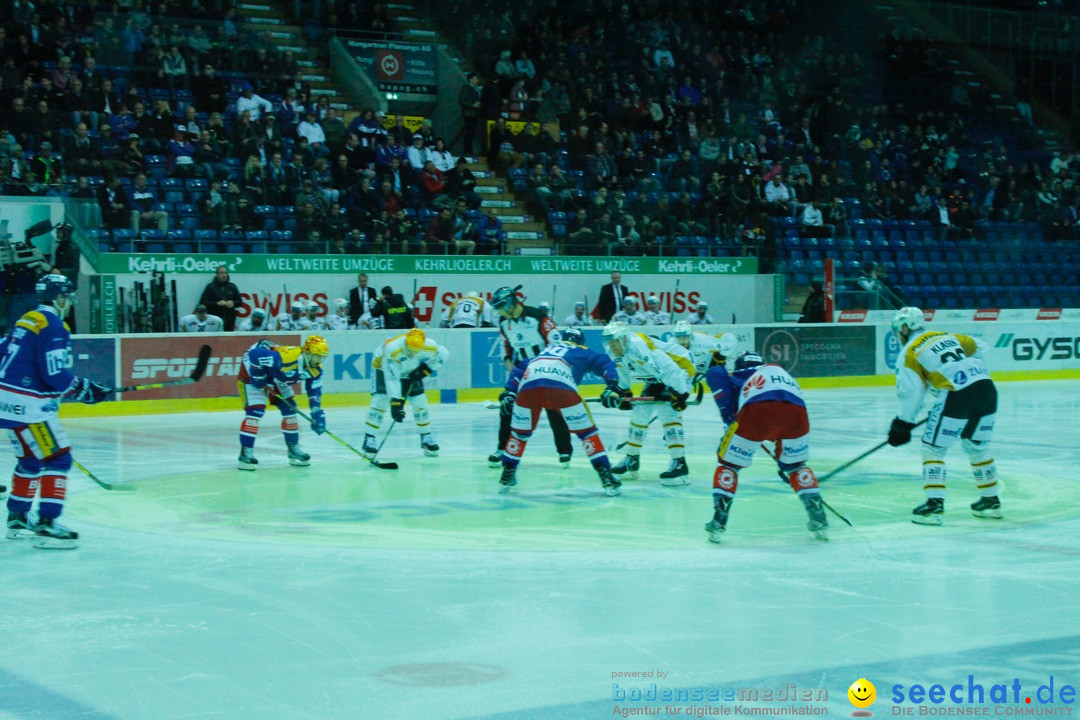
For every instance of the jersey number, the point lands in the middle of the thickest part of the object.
(12, 351)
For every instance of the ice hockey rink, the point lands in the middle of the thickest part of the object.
(345, 591)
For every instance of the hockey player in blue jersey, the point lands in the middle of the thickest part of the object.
(549, 382)
(763, 402)
(267, 375)
(34, 378)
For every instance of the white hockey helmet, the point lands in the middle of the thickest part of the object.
(728, 344)
(341, 307)
(298, 307)
(258, 313)
(653, 301)
(312, 307)
(702, 305)
(616, 337)
(471, 294)
(681, 329)
(909, 317)
(629, 300)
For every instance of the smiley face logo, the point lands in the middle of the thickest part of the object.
(862, 694)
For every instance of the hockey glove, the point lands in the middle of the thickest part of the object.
(678, 401)
(89, 392)
(318, 422)
(900, 432)
(612, 396)
(418, 375)
(397, 409)
(506, 402)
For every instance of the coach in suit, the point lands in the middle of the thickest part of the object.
(358, 299)
(611, 297)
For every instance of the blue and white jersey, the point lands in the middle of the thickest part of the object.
(756, 384)
(281, 366)
(561, 365)
(35, 372)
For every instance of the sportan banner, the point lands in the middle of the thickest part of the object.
(398, 66)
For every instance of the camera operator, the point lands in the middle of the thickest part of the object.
(22, 264)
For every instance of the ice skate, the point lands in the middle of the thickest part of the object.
(718, 525)
(819, 524)
(612, 485)
(247, 460)
(51, 535)
(495, 459)
(508, 479)
(431, 448)
(629, 467)
(370, 448)
(676, 474)
(931, 512)
(987, 507)
(564, 460)
(20, 525)
(297, 457)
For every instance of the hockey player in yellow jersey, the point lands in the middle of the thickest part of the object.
(668, 372)
(950, 366)
(398, 371)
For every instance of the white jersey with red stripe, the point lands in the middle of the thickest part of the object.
(770, 382)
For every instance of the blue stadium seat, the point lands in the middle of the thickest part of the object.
(267, 215)
(123, 240)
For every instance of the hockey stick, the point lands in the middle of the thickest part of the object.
(646, 399)
(380, 465)
(780, 474)
(196, 375)
(866, 454)
(102, 483)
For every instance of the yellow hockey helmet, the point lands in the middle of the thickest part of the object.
(316, 345)
(415, 340)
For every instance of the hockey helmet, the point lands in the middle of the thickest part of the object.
(702, 305)
(653, 301)
(341, 307)
(298, 307)
(573, 336)
(629, 300)
(471, 294)
(748, 361)
(505, 298)
(315, 349)
(728, 344)
(415, 340)
(258, 313)
(312, 308)
(909, 317)
(579, 304)
(53, 288)
(681, 329)
(616, 337)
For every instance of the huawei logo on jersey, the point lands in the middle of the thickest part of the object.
(755, 383)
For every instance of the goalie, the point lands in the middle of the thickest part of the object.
(267, 375)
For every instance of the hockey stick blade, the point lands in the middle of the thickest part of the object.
(196, 375)
(372, 460)
(104, 485)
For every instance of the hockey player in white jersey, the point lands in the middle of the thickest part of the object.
(295, 319)
(630, 315)
(311, 312)
(701, 316)
(950, 366)
(339, 319)
(468, 311)
(368, 321)
(256, 322)
(579, 318)
(709, 353)
(200, 322)
(654, 315)
(400, 366)
(667, 371)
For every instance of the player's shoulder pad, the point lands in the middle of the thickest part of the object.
(33, 321)
(649, 342)
(915, 343)
(289, 353)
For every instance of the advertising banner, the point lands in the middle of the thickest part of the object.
(398, 66)
(348, 369)
(148, 359)
(819, 350)
(94, 358)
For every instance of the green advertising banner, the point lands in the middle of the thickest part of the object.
(120, 263)
(103, 304)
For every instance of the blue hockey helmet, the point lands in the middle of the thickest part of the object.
(573, 336)
(748, 361)
(50, 286)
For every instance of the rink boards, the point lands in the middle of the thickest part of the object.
(822, 355)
